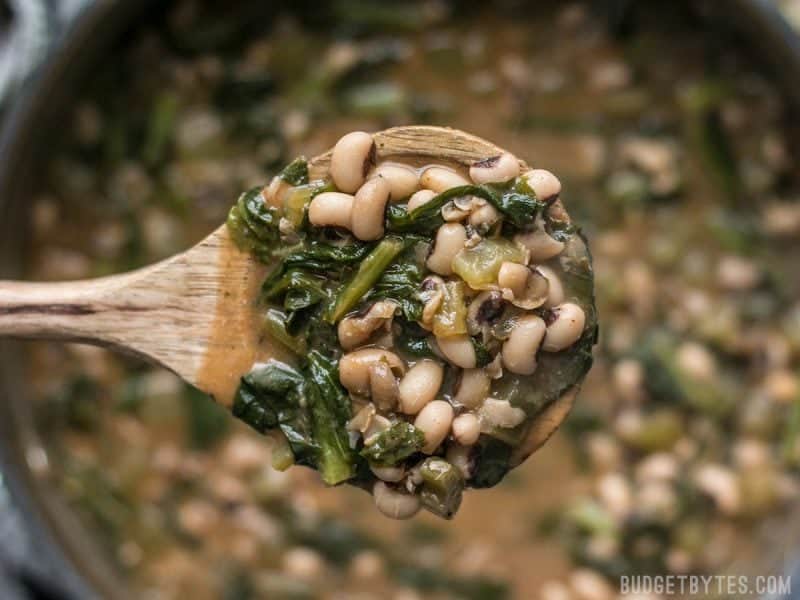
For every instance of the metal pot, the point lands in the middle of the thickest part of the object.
(59, 537)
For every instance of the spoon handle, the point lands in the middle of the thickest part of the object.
(95, 311)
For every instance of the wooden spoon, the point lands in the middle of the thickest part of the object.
(195, 313)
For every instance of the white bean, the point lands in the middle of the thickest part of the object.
(420, 385)
(513, 276)
(332, 209)
(540, 245)
(403, 180)
(440, 179)
(555, 291)
(484, 215)
(566, 329)
(419, 198)
(544, 183)
(495, 169)
(458, 350)
(351, 159)
(393, 474)
(500, 413)
(369, 208)
(472, 388)
(353, 331)
(354, 368)
(460, 457)
(434, 421)
(466, 429)
(450, 239)
(519, 350)
(394, 504)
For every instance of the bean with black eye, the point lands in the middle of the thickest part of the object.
(393, 503)
(565, 329)
(519, 350)
(351, 159)
(545, 185)
(440, 179)
(540, 245)
(403, 180)
(458, 350)
(450, 240)
(369, 209)
(555, 291)
(354, 368)
(514, 277)
(420, 385)
(466, 429)
(495, 169)
(419, 198)
(331, 209)
(434, 421)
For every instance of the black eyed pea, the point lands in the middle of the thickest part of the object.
(458, 350)
(519, 350)
(391, 474)
(420, 385)
(440, 179)
(354, 368)
(331, 209)
(393, 503)
(434, 420)
(355, 330)
(432, 296)
(419, 198)
(540, 245)
(369, 209)
(484, 216)
(403, 180)
(450, 240)
(472, 388)
(484, 310)
(495, 169)
(383, 386)
(566, 329)
(466, 429)
(351, 159)
(545, 185)
(555, 291)
(514, 277)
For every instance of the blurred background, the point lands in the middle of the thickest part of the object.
(676, 147)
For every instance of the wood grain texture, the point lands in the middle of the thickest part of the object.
(195, 313)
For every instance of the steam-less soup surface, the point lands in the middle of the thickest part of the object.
(674, 154)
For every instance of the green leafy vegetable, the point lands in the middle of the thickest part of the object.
(275, 326)
(492, 462)
(519, 208)
(394, 444)
(401, 282)
(296, 172)
(310, 408)
(253, 225)
(368, 273)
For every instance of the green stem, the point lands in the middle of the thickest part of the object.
(368, 273)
